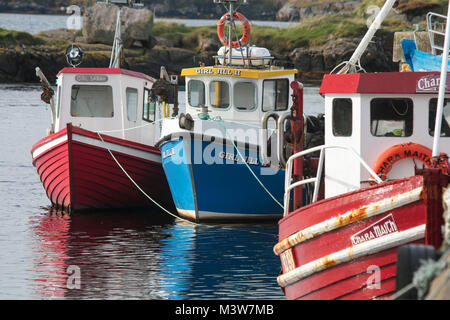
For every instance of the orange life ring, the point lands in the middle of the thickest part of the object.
(395, 153)
(221, 26)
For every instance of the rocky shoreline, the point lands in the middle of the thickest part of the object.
(18, 62)
(314, 49)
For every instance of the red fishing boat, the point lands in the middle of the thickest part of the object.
(99, 151)
(378, 184)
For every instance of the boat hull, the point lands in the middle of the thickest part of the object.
(346, 247)
(78, 172)
(209, 181)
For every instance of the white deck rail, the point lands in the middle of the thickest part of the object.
(436, 24)
(288, 185)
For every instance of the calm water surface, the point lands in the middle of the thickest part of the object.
(35, 23)
(126, 255)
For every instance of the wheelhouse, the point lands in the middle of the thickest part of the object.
(116, 100)
(238, 94)
(370, 113)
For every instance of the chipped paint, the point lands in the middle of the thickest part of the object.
(351, 253)
(349, 217)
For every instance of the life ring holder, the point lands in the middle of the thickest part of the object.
(390, 156)
(221, 26)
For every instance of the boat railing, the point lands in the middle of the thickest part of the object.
(436, 31)
(289, 186)
(244, 62)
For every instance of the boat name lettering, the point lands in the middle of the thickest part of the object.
(406, 154)
(168, 153)
(237, 158)
(91, 78)
(376, 230)
(430, 83)
(219, 72)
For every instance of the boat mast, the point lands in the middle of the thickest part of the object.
(231, 9)
(350, 66)
(442, 87)
(117, 45)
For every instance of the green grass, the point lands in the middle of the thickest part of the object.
(11, 37)
(311, 32)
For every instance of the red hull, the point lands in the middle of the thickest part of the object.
(346, 247)
(78, 172)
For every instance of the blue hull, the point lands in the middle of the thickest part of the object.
(209, 181)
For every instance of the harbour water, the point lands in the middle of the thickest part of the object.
(35, 23)
(124, 255)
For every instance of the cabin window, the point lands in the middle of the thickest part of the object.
(275, 94)
(245, 97)
(92, 101)
(342, 116)
(196, 93)
(149, 108)
(445, 127)
(219, 94)
(132, 104)
(58, 102)
(391, 117)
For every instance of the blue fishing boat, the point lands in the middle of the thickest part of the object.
(216, 157)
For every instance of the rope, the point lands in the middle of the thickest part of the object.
(219, 119)
(140, 189)
(159, 205)
(422, 279)
(133, 128)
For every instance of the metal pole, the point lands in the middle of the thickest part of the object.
(442, 87)
(230, 34)
(350, 65)
(117, 45)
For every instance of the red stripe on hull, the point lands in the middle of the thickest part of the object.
(349, 279)
(79, 176)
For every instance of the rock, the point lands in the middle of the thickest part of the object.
(58, 34)
(163, 42)
(292, 11)
(288, 12)
(208, 45)
(99, 23)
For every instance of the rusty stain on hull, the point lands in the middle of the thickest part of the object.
(351, 253)
(349, 217)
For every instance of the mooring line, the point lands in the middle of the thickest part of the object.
(159, 205)
(140, 189)
(219, 119)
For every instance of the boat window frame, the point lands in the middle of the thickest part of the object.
(58, 101)
(255, 86)
(188, 92)
(409, 110)
(213, 108)
(148, 110)
(333, 120)
(432, 121)
(276, 98)
(137, 103)
(90, 85)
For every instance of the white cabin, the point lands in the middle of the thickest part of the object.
(371, 113)
(113, 101)
(238, 94)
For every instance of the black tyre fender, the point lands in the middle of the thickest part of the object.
(409, 260)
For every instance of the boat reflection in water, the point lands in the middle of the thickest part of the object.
(104, 256)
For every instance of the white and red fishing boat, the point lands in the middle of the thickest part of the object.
(99, 152)
(377, 184)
